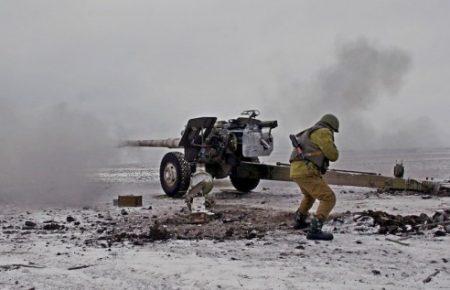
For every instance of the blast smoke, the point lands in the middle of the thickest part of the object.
(47, 154)
(362, 76)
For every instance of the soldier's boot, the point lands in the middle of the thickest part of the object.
(300, 221)
(315, 231)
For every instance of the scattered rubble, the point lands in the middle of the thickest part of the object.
(392, 224)
(138, 237)
(229, 222)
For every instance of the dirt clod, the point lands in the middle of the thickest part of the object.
(440, 233)
(252, 234)
(70, 219)
(30, 224)
(52, 227)
(158, 233)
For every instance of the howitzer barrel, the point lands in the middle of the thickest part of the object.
(165, 143)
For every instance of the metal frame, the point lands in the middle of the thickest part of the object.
(280, 172)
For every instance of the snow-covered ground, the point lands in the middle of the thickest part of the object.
(278, 260)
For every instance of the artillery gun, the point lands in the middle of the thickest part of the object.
(215, 147)
(220, 149)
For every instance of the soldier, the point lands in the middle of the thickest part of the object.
(308, 163)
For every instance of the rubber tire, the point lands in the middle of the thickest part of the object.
(183, 170)
(244, 184)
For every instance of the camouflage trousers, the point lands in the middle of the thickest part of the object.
(314, 187)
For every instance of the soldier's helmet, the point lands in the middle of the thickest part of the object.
(332, 121)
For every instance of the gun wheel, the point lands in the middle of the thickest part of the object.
(244, 184)
(174, 174)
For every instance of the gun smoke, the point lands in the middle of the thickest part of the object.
(47, 154)
(48, 149)
(363, 76)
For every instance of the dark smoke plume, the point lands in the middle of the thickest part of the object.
(362, 76)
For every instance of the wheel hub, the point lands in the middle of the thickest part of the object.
(170, 174)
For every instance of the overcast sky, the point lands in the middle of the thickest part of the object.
(144, 67)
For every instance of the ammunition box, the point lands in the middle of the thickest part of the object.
(129, 201)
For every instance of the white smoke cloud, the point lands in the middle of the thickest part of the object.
(47, 154)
